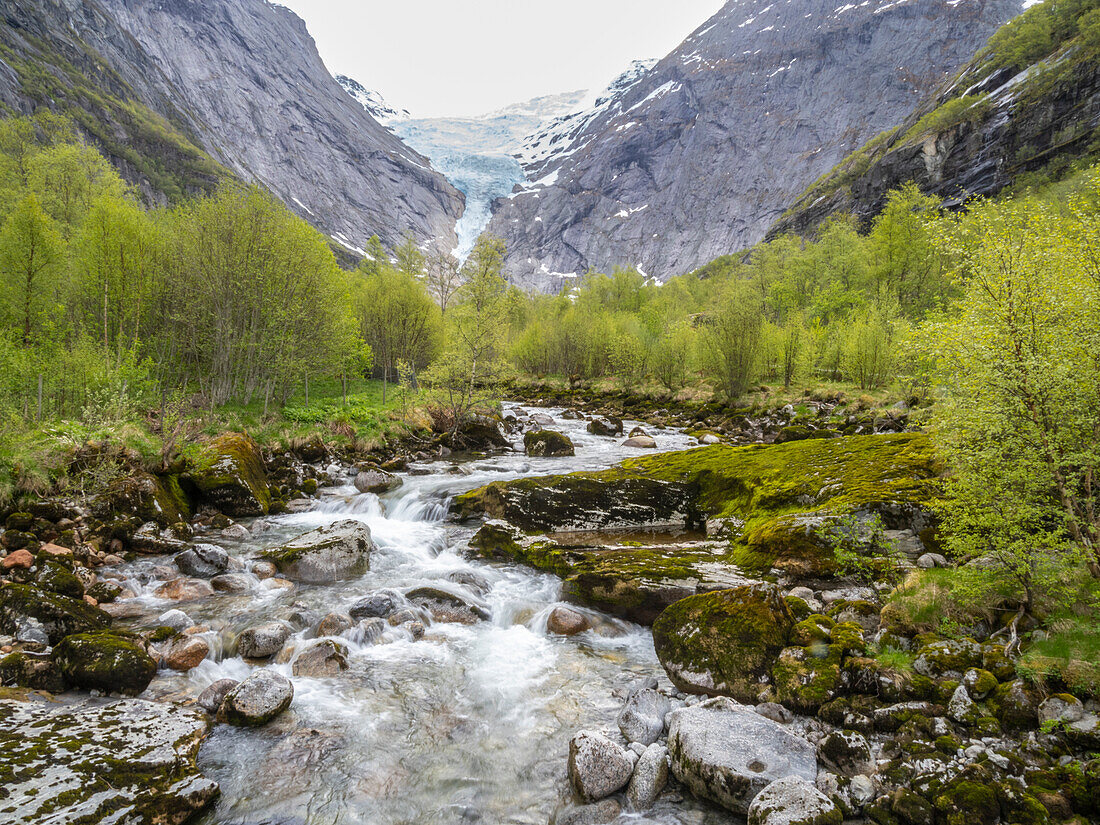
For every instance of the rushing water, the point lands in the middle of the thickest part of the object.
(471, 723)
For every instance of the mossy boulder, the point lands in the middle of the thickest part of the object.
(59, 616)
(230, 475)
(35, 671)
(107, 661)
(57, 578)
(331, 553)
(723, 643)
(145, 497)
(805, 678)
(548, 444)
(97, 762)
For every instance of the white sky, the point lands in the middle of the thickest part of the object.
(469, 57)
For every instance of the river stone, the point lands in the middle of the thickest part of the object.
(59, 579)
(31, 670)
(334, 624)
(186, 653)
(566, 622)
(262, 641)
(214, 694)
(641, 442)
(605, 426)
(184, 590)
(323, 658)
(105, 661)
(548, 444)
(203, 561)
(598, 813)
(257, 700)
(446, 606)
(150, 539)
(175, 619)
(135, 762)
(848, 753)
(231, 583)
(642, 718)
(649, 778)
(793, 801)
(377, 605)
(263, 570)
(728, 753)
(475, 581)
(328, 554)
(376, 481)
(723, 643)
(58, 616)
(597, 766)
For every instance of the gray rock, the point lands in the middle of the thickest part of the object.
(649, 778)
(132, 756)
(376, 481)
(597, 766)
(961, 707)
(605, 426)
(728, 753)
(641, 442)
(29, 630)
(598, 813)
(327, 554)
(1061, 708)
(642, 719)
(150, 539)
(775, 712)
(369, 631)
(475, 581)
(447, 606)
(262, 641)
(214, 694)
(231, 583)
(380, 605)
(793, 801)
(929, 560)
(848, 753)
(203, 561)
(320, 659)
(334, 624)
(257, 700)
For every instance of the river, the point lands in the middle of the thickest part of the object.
(470, 723)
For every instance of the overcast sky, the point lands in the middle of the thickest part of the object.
(469, 57)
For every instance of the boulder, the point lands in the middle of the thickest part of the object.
(1061, 707)
(642, 718)
(548, 444)
(848, 753)
(230, 475)
(597, 766)
(446, 606)
(598, 813)
(203, 561)
(58, 616)
(257, 700)
(145, 497)
(376, 481)
(565, 622)
(35, 671)
(105, 661)
(640, 442)
(377, 605)
(609, 427)
(59, 579)
(262, 641)
(186, 653)
(649, 778)
(320, 659)
(214, 694)
(728, 753)
(97, 761)
(723, 643)
(184, 590)
(231, 583)
(327, 554)
(153, 540)
(793, 801)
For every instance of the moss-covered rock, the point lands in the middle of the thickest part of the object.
(98, 762)
(548, 444)
(807, 677)
(331, 553)
(107, 661)
(56, 578)
(723, 643)
(31, 670)
(230, 475)
(145, 497)
(59, 616)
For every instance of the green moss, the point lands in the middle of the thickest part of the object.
(58, 579)
(59, 615)
(230, 475)
(723, 642)
(814, 630)
(107, 661)
(807, 677)
(548, 443)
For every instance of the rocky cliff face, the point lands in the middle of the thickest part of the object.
(242, 81)
(702, 154)
(1014, 120)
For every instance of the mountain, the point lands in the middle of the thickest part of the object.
(706, 149)
(372, 101)
(477, 154)
(1024, 108)
(183, 92)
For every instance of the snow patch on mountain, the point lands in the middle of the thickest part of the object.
(372, 101)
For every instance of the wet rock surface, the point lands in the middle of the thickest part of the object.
(326, 554)
(131, 755)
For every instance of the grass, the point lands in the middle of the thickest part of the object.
(897, 660)
(38, 458)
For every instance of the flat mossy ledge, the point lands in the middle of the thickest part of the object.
(771, 498)
(635, 580)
